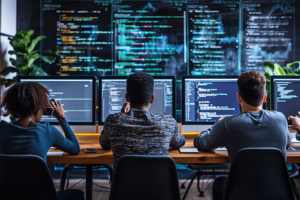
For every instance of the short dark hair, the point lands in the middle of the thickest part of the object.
(140, 88)
(25, 99)
(252, 87)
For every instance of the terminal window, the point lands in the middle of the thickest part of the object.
(149, 36)
(210, 100)
(213, 37)
(81, 31)
(76, 97)
(113, 97)
(287, 96)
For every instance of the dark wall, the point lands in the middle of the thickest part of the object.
(28, 16)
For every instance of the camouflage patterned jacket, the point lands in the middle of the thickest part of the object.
(139, 132)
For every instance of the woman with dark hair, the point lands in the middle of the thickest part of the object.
(28, 101)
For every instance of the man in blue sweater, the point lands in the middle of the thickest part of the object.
(254, 127)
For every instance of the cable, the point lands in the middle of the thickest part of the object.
(76, 183)
(101, 186)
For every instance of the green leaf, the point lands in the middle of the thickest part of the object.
(8, 70)
(21, 41)
(18, 53)
(269, 68)
(33, 58)
(290, 64)
(48, 59)
(297, 71)
(10, 81)
(278, 70)
(34, 42)
(2, 81)
(21, 66)
(37, 71)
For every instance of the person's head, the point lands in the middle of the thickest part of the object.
(252, 88)
(27, 99)
(140, 88)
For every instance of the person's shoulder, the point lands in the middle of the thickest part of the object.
(162, 117)
(113, 117)
(274, 113)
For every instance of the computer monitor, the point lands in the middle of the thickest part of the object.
(205, 99)
(77, 94)
(285, 93)
(113, 89)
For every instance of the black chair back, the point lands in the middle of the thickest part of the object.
(145, 177)
(25, 177)
(259, 174)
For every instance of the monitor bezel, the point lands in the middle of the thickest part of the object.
(184, 122)
(272, 94)
(94, 78)
(125, 77)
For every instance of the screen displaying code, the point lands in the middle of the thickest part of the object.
(76, 97)
(287, 93)
(113, 97)
(81, 32)
(207, 100)
(149, 36)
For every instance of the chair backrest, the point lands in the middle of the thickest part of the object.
(25, 177)
(145, 177)
(258, 174)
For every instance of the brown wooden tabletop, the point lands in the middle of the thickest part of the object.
(106, 157)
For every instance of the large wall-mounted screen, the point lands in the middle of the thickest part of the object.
(203, 37)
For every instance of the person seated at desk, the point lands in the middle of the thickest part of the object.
(27, 135)
(254, 127)
(136, 131)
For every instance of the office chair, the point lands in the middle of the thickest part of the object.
(145, 177)
(27, 177)
(259, 174)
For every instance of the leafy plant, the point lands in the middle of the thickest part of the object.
(24, 48)
(275, 69)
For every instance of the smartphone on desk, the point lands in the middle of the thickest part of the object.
(88, 150)
(188, 150)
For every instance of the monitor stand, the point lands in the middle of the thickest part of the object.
(80, 129)
(194, 128)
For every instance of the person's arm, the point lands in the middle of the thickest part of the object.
(178, 139)
(67, 144)
(104, 138)
(212, 138)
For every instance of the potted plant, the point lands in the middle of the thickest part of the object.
(29, 59)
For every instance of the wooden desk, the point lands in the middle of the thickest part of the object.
(106, 157)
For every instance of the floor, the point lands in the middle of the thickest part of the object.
(103, 193)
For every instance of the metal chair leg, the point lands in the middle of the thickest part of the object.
(68, 178)
(295, 189)
(63, 177)
(111, 173)
(189, 187)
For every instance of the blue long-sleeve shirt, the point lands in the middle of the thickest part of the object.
(36, 140)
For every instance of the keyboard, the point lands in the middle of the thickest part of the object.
(54, 153)
(293, 149)
(221, 149)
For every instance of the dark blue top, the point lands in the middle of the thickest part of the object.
(36, 140)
